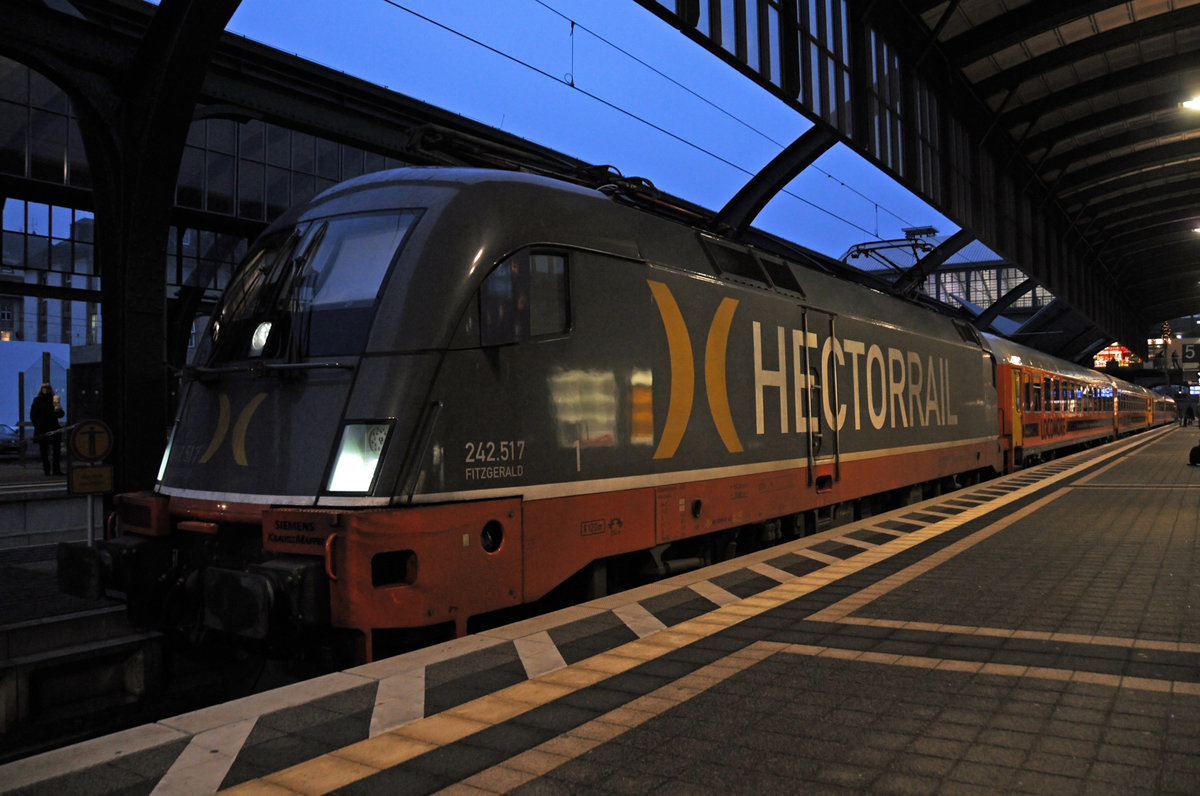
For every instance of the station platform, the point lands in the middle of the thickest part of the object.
(30, 500)
(1037, 633)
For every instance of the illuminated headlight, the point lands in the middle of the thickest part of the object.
(358, 457)
(259, 340)
(162, 467)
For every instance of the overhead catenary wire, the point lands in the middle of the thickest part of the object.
(572, 84)
(711, 104)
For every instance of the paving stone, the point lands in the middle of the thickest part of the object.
(677, 606)
(1040, 782)
(396, 782)
(587, 637)
(905, 784)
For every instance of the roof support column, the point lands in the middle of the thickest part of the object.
(911, 279)
(135, 149)
(984, 319)
(744, 207)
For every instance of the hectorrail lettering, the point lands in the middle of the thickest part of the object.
(899, 388)
(810, 384)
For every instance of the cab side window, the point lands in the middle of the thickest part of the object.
(526, 296)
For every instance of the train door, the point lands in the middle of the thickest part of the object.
(1034, 405)
(822, 360)
(1116, 412)
(1018, 410)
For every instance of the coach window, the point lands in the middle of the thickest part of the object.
(526, 296)
(1037, 394)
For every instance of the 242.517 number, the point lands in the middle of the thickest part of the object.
(492, 451)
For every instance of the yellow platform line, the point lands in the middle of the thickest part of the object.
(1002, 669)
(1032, 635)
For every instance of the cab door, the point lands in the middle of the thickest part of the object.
(821, 404)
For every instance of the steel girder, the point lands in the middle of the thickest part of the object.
(1012, 167)
(135, 102)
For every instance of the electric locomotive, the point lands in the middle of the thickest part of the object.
(433, 394)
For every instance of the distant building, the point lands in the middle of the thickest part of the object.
(234, 178)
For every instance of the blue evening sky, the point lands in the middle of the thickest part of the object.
(644, 98)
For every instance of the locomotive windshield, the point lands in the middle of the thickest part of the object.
(309, 291)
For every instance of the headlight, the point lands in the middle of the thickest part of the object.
(259, 340)
(162, 467)
(358, 457)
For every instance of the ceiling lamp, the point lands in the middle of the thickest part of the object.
(1193, 104)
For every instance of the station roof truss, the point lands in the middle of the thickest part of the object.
(1052, 132)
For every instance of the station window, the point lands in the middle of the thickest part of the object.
(526, 296)
(6, 321)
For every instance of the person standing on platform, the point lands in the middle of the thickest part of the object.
(44, 414)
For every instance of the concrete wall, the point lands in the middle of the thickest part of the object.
(31, 519)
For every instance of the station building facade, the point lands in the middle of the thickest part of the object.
(234, 178)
